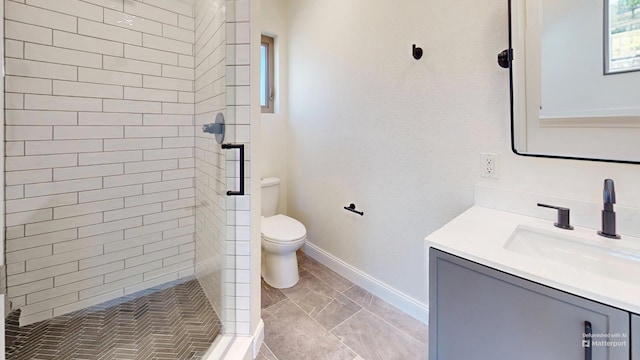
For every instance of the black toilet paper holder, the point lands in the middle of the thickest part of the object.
(352, 208)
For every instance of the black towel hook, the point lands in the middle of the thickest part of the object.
(505, 58)
(417, 52)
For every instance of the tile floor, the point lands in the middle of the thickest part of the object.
(326, 316)
(170, 321)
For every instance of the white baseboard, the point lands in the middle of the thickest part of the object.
(400, 300)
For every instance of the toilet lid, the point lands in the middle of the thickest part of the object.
(282, 228)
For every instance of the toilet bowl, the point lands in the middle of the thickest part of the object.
(282, 236)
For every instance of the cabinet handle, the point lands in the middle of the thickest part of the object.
(587, 339)
(240, 147)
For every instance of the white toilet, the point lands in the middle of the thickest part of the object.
(281, 237)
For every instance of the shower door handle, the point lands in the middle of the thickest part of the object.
(240, 147)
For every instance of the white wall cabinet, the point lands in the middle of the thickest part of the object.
(476, 312)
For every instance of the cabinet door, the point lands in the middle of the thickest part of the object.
(480, 313)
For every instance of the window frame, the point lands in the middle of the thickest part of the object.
(269, 42)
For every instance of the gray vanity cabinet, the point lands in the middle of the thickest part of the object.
(635, 337)
(476, 312)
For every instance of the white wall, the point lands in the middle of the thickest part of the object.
(401, 138)
(579, 180)
(273, 131)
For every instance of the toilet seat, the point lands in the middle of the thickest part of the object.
(281, 228)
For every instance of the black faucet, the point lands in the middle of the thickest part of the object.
(608, 215)
(563, 216)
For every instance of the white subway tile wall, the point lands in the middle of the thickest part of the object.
(238, 113)
(100, 150)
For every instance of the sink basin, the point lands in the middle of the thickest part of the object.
(586, 254)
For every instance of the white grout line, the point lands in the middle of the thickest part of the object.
(277, 302)
(326, 283)
(329, 332)
(390, 324)
(269, 351)
(347, 319)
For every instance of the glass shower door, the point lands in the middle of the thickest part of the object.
(222, 200)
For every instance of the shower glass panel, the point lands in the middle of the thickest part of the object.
(117, 214)
(214, 231)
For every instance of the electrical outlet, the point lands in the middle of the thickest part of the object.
(490, 165)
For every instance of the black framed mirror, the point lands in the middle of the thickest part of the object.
(564, 102)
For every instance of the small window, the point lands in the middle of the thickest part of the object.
(622, 36)
(266, 74)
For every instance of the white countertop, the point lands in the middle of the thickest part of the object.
(479, 234)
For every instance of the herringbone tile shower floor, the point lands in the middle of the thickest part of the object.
(171, 321)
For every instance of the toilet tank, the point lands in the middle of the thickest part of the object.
(270, 194)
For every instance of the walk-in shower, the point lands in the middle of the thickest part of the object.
(117, 211)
